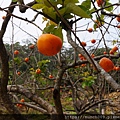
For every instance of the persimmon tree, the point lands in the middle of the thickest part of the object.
(76, 73)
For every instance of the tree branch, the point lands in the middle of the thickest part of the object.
(56, 95)
(34, 107)
(21, 90)
(107, 77)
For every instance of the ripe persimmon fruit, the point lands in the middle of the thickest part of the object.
(38, 71)
(111, 52)
(99, 2)
(118, 26)
(50, 76)
(90, 30)
(92, 55)
(22, 100)
(104, 52)
(49, 44)
(118, 18)
(20, 105)
(3, 17)
(93, 41)
(106, 64)
(31, 46)
(18, 73)
(26, 59)
(115, 48)
(83, 43)
(80, 55)
(16, 52)
(117, 68)
(83, 65)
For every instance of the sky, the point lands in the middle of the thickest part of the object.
(19, 25)
(15, 34)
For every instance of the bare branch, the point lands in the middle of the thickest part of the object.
(21, 90)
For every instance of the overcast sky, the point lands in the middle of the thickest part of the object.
(20, 35)
(29, 28)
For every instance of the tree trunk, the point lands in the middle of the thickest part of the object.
(5, 71)
(56, 97)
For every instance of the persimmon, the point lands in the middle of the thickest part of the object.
(18, 73)
(104, 52)
(50, 76)
(111, 52)
(90, 30)
(17, 105)
(38, 71)
(115, 48)
(106, 64)
(49, 44)
(83, 65)
(92, 55)
(22, 100)
(20, 105)
(83, 43)
(116, 68)
(16, 52)
(31, 46)
(93, 41)
(118, 26)
(99, 2)
(26, 59)
(3, 17)
(81, 57)
(118, 18)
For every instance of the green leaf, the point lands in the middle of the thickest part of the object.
(114, 42)
(77, 10)
(86, 10)
(88, 81)
(14, 0)
(59, 1)
(54, 30)
(48, 29)
(50, 12)
(86, 4)
(39, 1)
(65, 13)
(53, 2)
(38, 6)
(47, 3)
(70, 1)
(17, 60)
(62, 11)
(68, 16)
(58, 32)
(43, 63)
(83, 84)
(109, 8)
